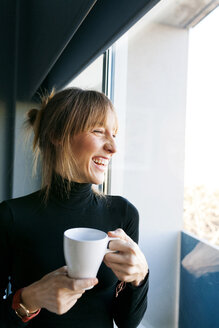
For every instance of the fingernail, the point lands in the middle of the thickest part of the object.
(115, 231)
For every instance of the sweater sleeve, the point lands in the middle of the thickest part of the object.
(131, 303)
(8, 317)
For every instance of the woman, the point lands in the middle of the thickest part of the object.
(74, 132)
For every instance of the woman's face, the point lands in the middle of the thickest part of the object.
(93, 149)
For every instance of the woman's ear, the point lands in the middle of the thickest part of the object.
(55, 139)
(56, 142)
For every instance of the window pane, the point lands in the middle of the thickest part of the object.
(201, 202)
(91, 77)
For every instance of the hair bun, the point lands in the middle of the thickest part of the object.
(32, 114)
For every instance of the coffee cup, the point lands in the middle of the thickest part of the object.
(84, 250)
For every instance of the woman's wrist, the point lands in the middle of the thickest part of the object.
(140, 281)
(29, 298)
(24, 313)
(137, 283)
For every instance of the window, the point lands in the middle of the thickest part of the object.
(201, 198)
(91, 77)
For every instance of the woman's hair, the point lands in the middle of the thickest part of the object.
(61, 116)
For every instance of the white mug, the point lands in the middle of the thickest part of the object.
(84, 249)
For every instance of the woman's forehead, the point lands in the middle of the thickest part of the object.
(108, 122)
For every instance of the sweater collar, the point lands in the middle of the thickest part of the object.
(72, 194)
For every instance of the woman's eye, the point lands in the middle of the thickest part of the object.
(98, 131)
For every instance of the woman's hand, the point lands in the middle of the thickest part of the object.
(55, 292)
(128, 263)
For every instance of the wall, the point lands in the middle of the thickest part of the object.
(8, 61)
(3, 150)
(23, 180)
(150, 171)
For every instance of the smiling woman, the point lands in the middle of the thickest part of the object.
(74, 132)
(73, 129)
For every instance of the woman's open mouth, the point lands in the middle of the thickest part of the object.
(100, 162)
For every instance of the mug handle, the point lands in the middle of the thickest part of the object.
(109, 239)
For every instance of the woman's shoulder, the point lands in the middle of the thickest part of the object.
(12, 210)
(126, 213)
(123, 204)
(7, 206)
(118, 199)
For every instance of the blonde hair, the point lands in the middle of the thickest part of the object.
(61, 116)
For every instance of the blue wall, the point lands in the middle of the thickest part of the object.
(199, 293)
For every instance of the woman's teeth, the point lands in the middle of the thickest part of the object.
(100, 161)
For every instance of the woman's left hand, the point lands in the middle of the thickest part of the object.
(128, 263)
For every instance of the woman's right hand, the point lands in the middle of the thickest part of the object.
(55, 292)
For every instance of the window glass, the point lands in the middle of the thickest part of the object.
(201, 199)
(91, 77)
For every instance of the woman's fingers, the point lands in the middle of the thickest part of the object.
(123, 246)
(60, 279)
(119, 233)
(56, 291)
(73, 290)
(80, 284)
(122, 258)
(123, 269)
(127, 262)
(63, 269)
(60, 271)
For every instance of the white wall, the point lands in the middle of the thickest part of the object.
(150, 170)
(23, 180)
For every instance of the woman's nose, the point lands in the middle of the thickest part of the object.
(110, 146)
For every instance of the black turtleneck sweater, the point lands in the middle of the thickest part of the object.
(31, 245)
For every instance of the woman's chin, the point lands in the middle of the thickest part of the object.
(93, 177)
(97, 180)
